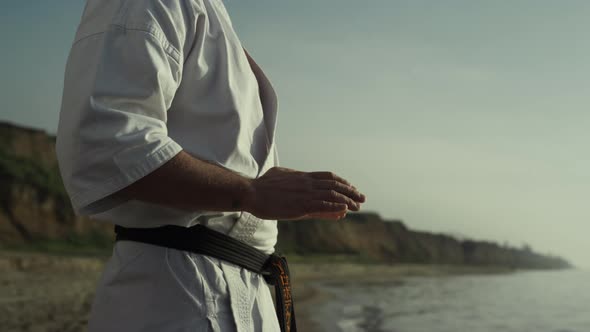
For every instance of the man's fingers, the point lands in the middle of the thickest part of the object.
(336, 197)
(333, 177)
(321, 206)
(339, 187)
(329, 216)
(328, 176)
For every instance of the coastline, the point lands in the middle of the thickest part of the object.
(28, 304)
(309, 278)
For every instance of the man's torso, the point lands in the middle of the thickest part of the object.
(224, 110)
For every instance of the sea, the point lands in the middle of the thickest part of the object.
(533, 301)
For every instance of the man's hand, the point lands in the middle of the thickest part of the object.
(283, 193)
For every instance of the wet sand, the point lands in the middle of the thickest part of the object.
(44, 293)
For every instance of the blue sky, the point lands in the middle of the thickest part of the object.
(463, 117)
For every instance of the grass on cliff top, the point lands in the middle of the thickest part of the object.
(29, 171)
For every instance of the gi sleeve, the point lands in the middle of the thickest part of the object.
(119, 86)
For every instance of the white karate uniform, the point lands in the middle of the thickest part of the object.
(146, 79)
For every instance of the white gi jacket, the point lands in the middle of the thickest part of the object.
(144, 80)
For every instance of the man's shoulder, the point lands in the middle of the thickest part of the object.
(164, 12)
(170, 20)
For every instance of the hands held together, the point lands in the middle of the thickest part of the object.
(287, 194)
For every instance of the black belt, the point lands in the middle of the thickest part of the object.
(202, 240)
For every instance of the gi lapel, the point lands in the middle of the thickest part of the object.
(269, 100)
(247, 224)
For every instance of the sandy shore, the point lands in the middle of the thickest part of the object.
(43, 293)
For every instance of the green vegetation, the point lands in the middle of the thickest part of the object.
(293, 257)
(24, 170)
(369, 239)
(6, 138)
(47, 181)
(94, 243)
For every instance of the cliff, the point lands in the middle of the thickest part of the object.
(367, 237)
(34, 208)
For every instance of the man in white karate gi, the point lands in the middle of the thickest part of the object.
(166, 120)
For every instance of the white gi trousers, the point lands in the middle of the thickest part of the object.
(149, 288)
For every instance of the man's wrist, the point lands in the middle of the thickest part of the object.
(244, 200)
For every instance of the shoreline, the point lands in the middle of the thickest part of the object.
(309, 278)
(27, 304)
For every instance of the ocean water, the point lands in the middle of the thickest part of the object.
(555, 301)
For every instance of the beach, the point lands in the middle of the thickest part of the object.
(51, 293)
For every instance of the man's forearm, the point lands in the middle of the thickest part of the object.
(189, 183)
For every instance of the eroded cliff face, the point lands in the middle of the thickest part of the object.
(28, 143)
(33, 202)
(369, 237)
(29, 215)
(34, 206)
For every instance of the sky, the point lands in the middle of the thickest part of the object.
(460, 117)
